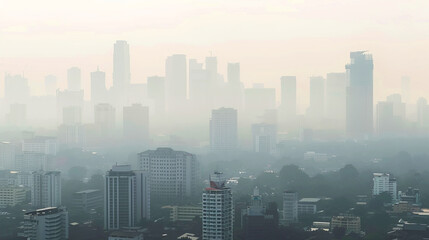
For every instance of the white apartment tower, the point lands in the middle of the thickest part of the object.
(223, 130)
(47, 223)
(174, 174)
(290, 206)
(46, 189)
(218, 211)
(383, 182)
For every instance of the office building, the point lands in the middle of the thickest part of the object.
(39, 144)
(121, 66)
(143, 181)
(120, 199)
(288, 97)
(223, 130)
(68, 98)
(32, 161)
(136, 124)
(98, 87)
(308, 206)
(46, 223)
(74, 79)
(233, 70)
(411, 196)
(72, 115)
(46, 189)
(385, 124)
(290, 206)
(7, 155)
(257, 100)
(217, 210)
(105, 119)
(199, 86)
(17, 116)
(350, 224)
(126, 235)
(88, 200)
(11, 195)
(316, 110)
(383, 182)
(184, 213)
(174, 174)
(359, 113)
(335, 96)
(264, 138)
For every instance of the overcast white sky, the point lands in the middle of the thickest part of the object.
(270, 38)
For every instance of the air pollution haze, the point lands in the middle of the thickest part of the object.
(214, 120)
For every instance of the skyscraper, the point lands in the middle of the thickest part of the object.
(385, 119)
(136, 124)
(264, 138)
(335, 97)
(120, 199)
(359, 114)
(46, 189)
(288, 95)
(316, 109)
(223, 130)
(74, 79)
(46, 223)
(198, 84)
(290, 206)
(233, 73)
(105, 118)
(176, 82)
(257, 100)
(121, 65)
(72, 115)
(98, 87)
(217, 210)
(174, 174)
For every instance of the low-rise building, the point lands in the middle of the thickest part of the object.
(11, 195)
(308, 206)
(349, 223)
(88, 199)
(46, 223)
(184, 213)
(126, 235)
(188, 236)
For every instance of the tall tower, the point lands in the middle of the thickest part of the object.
(288, 95)
(223, 130)
(120, 199)
(98, 87)
(317, 98)
(359, 114)
(136, 124)
(217, 210)
(46, 189)
(121, 65)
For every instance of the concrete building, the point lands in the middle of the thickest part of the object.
(98, 87)
(174, 174)
(7, 155)
(156, 93)
(359, 113)
(217, 210)
(383, 182)
(121, 66)
(39, 144)
(290, 207)
(126, 235)
(105, 119)
(87, 200)
(316, 110)
(257, 100)
(136, 124)
(349, 223)
(335, 100)
(46, 189)
(307, 206)
(223, 130)
(184, 213)
(175, 83)
(264, 138)
(50, 85)
(72, 115)
(46, 223)
(11, 195)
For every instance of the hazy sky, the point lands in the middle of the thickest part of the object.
(270, 38)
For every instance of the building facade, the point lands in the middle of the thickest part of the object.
(290, 206)
(46, 223)
(46, 189)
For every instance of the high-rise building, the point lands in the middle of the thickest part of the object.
(233, 73)
(399, 107)
(17, 116)
(105, 118)
(223, 130)
(50, 85)
(174, 174)
(290, 206)
(46, 189)
(46, 223)
(383, 182)
(217, 210)
(316, 109)
(264, 138)
(257, 100)
(406, 89)
(74, 79)
(87, 200)
(98, 87)
(156, 92)
(288, 96)
(121, 65)
(120, 199)
(234, 90)
(335, 96)
(7, 155)
(385, 119)
(11, 195)
(136, 124)
(39, 144)
(422, 113)
(359, 113)
(198, 84)
(126, 197)
(175, 82)
(32, 161)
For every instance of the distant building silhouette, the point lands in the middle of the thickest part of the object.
(74, 79)
(223, 130)
(176, 82)
(98, 87)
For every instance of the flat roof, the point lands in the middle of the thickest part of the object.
(88, 191)
(309, 200)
